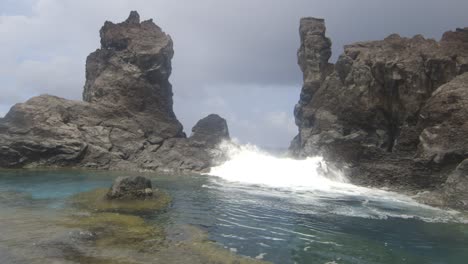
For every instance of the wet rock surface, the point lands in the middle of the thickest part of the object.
(126, 121)
(127, 202)
(391, 113)
(131, 188)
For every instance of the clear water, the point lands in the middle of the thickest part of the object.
(279, 225)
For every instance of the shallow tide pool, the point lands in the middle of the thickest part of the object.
(265, 223)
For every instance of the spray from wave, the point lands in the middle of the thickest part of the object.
(313, 182)
(248, 164)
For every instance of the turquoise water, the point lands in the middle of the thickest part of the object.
(279, 225)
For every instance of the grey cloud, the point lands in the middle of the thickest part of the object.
(65, 76)
(253, 112)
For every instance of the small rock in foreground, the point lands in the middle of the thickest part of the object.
(131, 188)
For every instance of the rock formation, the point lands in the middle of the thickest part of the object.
(126, 120)
(196, 153)
(391, 112)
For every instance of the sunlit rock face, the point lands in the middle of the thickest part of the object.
(383, 110)
(126, 121)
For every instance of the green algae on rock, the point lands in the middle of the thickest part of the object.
(196, 247)
(96, 201)
(132, 236)
(131, 188)
(120, 230)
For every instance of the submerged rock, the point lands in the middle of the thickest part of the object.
(133, 240)
(390, 112)
(131, 188)
(193, 245)
(113, 230)
(97, 201)
(126, 121)
(118, 226)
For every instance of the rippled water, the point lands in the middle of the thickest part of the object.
(280, 225)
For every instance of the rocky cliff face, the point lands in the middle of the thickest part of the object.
(126, 120)
(390, 112)
(131, 70)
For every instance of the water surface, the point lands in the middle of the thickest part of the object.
(279, 225)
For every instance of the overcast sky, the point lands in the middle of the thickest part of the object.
(236, 58)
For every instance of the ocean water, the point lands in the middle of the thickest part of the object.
(264, 207)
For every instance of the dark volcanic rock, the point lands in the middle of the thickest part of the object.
(444, 124)
(210, 131)
(126, 121)
(443, 140)
(455, 190)
(197, 153)
(131, 71)
(131, 188)
(382, 110)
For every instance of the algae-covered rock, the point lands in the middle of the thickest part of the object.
(119, 230)
(131, 188)
(139, 241)
(96, 201)
(196, 247)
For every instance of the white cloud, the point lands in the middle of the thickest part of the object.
(3, 110)
(277, 118)
(65, 77)
(215, 102)
(255, 113)
(282, 120)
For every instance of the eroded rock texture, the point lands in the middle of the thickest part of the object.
(393, 112)
(126, 120)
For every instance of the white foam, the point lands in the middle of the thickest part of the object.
(311, 182)
(249, 164)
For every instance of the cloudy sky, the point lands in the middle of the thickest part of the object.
(236, 58)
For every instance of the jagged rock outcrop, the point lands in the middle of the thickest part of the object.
(390, 112)
(126, 120)
(196, 153)
(131, 70)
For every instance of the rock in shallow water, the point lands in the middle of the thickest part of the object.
(131, 188)
(135, 201)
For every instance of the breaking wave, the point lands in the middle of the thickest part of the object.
(311, 181)
(249, 164)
